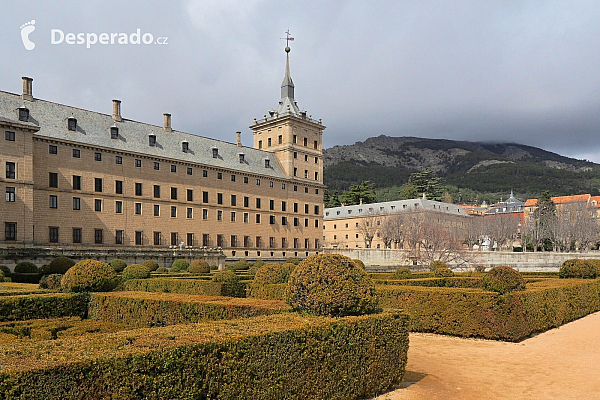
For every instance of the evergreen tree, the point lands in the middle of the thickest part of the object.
(334, 200)
(362, 192)
(423, 182)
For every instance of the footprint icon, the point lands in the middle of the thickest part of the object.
(26, 29)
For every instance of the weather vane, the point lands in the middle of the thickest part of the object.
(287, 38)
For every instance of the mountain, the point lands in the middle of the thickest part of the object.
(480, 167)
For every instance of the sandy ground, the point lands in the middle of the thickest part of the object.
(562, 363)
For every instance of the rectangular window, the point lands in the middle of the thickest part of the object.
(138, 189)
(316, 223)
(283, 220)
(10, 194)
(52, 149)
(189, 170)
(258, 242)
(204, 173)
(295, 188)
(76, 153)
(233, 200)
(76, 203)
(305, 142)
(246, 201)
(76, 182)
(306, 222)
(138, 208)
(119, 207)
(53, 179)
(10, 231)
(174, 239)
(283, 186)
(232, 178)
(246, 217)
(98, 185)
(280, 139)
(157, 167)
(269, 142)
(139, 238)
(76, 235)
(114, 132)
(316, 176)
(271, 204)
(190, 239)
(219, 215)
(219, 198)
(272, 220)
(258, 182)
(98, 157)
(205, 197)
(306, 189)
(204, 214)
(190, 195)
(233, 241)
(10, 170)
(295, 155)
(98, 237)
(233, 216)
(156, 191)
(246, 241)
(157, 210)
(53, 234)
(97, 205)
(157, 237)
(152, 140)
(296, 221)
(271, 184)
(119, 187)
(316, 144)
(306, 209)
(258, 218)
(284, 243)
(305, 174)
(283, 206)
(138, 163)
(295, 207)
(316, 210)
(119, 237)
(189, 213)
(219, 175)
(173, 168)
(173, 212)
(258, 203)
(53, 201)
(173, 193)
(295, 139)
(220, 241)
(260, 144)
(10, 136)
(295, 171)
(246, 179)
(272, 242)
(205, 239)
(118, 160)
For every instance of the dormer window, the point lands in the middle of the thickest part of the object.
(114, 132)
(185, 147)
(23, 114)
(72, 124)
(215, 152)
(242, 158)
(152, 140)
(267, 163)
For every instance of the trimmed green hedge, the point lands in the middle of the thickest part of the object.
(268, 357)
(477, 313)
(268, 291)
(163, 309)
(186, 286)
(54, 305)
(20, 277)
(451, 281)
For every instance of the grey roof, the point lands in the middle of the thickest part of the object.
(390, 207)
(93, 129)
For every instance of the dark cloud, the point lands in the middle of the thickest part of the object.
(523, 71)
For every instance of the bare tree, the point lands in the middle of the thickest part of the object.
(501, 229)
(368, 227)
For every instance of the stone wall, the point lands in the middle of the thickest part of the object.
(390, 259)
(11, 256)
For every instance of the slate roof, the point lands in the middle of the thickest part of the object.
(93, 129)
(390, 207)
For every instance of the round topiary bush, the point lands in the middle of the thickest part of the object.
(443, 272)
(240, 265)
(180, 265)
(51, 281)
(151, 264)
(273, 273)
(576, 268)
(359, 263)
(503, 279)
(136, 271)
(225, 277)
(90, 276)
(118, 264)
(60, 265)
(199, 267)
(402, 273)
(435, 264)
(5, 270)
(26, 267)
(331, 284)
(162, 270)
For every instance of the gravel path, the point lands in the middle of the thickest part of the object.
(562, 363)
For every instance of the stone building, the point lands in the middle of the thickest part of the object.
(84, 179)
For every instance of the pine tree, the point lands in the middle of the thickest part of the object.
(362, 192)
(423, 182)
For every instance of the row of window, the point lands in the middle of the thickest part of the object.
(294, 140)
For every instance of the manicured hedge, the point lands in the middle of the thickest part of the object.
(477, 313)
(282, 356)
(14, 289)
(18, 308)
(163, 309)
(452, 281)
(25, 277)
(186, 286)
(270, 291)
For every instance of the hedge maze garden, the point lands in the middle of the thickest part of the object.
(321, 328)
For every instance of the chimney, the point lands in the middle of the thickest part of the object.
(27, 88)
(117, 111)
(167, 118)
(239, 139)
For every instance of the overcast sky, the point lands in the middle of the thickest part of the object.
(518, 71)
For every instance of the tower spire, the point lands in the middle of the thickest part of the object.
(287, 86)
(287, 104)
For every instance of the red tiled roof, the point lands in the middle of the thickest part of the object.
(565, 199)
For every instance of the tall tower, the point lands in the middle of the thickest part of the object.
(292, 135)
